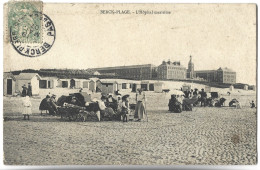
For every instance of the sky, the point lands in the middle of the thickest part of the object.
(215, 35)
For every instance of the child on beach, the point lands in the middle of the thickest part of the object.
(27, 107)
(125, 107)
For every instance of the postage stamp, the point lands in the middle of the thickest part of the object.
(31, 32)
(24, 20)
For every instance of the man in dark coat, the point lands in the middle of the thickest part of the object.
(29, 91)
(24, 92)
(203, 95)
(186, 93)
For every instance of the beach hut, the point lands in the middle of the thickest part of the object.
(9, 84)
(76, 83)
(158, 87)
(109, 86)
(92, 85)
(48, 82)
(136, 85)
(145, 85)
(64, 83)
(245, 87)
(25, 78)
(98, 86)
(254, 88)
(124, 85)
(86, 83)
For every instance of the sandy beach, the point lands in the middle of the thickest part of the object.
(204, 136)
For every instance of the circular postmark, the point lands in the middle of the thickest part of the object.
(33, 34)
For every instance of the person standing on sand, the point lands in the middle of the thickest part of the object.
(140, 108)
(29, 91)
(24, 92)
(27, 107)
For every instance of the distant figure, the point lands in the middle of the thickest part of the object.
(252, 105)
(140, 108)
(203, 97)
(186, 93)
(195, 92)
(238, 105)
(191, 93)
(29, 91)
(53, 104)
(27, 107)
(24, 92)
(125, 107)
(80, 90)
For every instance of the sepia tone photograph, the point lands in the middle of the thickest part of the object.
(129, 84)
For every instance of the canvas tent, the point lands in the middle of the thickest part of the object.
(9, 84)
(25, 78)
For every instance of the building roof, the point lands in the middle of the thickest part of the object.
(204, 71)
(49, 78)
(124, 67)
(8, 75)
(27, 76)
(94, 79)
(108, 82)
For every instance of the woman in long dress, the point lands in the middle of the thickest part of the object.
(140, 108)
(27, 107)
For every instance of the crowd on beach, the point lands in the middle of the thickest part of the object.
(191, 98)
(118, 107)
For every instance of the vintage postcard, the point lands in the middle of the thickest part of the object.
(129, 84)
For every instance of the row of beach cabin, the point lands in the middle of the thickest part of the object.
(13, 84)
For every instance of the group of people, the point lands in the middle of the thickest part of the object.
(117, 106)
(177, 103)
(49, 103)
(27, 90)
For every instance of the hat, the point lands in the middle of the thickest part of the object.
(125, 96)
